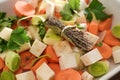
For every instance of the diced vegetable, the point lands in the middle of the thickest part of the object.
(7, 75)
(51, 37)
(80, 64)
(61, 48)
(12, 61)
(106, 24)
(68, 61)
(105, 50)
(24, 47)
(68, 74)
(116, 54)
(89, 59)
(2, 64)
(37, 48)
(93, 27)
(44, 72)
(24, 9)
(86, 76)
(55, 67)
(38, 64)
(116, 31)
(26, 60)
(98, 69)
(34, 32)
(6, 33)
(28, 75)
(50, 7)
(50, 52)
(110, 39)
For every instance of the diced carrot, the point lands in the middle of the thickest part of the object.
(2, 64)
(38, 64)
(87, 1)
(20, 70)
(55, 67)
(42, 11)
(105, 25)
(57, 14)
(88, 24)
(110, 39)
(50, 51)
(26, 60)
(68, 74)
(105, 50)
(80, 72)
(93, 27)
(22, 8)
(5, 68)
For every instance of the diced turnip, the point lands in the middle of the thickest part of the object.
(37, 48)
(50, 7)
(91, 57)
(115, 48)
(44, 72)
(86, 76)
(51, 37)
(61, 48)
(6, 33)
(29, 75)
(67, 61)
(24, 47)
(116, 56)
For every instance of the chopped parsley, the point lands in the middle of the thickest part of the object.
(42, 29)
(68, 10)
(96, 8)
(17, 38)
(6, 21)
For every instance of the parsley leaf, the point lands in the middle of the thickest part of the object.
(68, 10)
(6, 21)
(42, 29)
(3, 45)
(74, 4)
(66, 13)
(18, 37)
(99, 44)
(97, 9)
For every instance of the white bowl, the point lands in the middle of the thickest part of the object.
(112, 7)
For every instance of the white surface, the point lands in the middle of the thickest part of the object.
(112, 6)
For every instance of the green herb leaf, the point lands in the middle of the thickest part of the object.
(18, 37)
(99, 44)
(3, 45)
(80, 27)
(6, 21)
(42, 29)
(66, 13)
(97, 9)
(74, 4)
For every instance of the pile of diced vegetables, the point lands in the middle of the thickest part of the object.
(30, 49)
